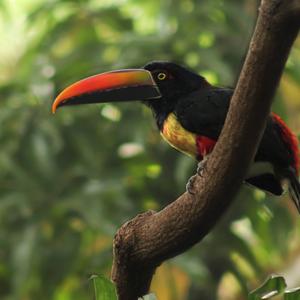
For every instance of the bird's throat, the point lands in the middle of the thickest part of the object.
(178, 137)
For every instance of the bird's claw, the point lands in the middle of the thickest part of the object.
(201, 167)
(190, 185)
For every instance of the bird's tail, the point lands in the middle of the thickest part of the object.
(294, 189)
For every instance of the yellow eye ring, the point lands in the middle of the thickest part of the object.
(161, 76)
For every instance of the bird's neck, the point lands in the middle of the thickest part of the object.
(160, 119)
(161, 109)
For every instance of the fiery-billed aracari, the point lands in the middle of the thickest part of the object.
(190, 114)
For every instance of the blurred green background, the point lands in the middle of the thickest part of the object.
(69, 180)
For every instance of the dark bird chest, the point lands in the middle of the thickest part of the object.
(194, 145)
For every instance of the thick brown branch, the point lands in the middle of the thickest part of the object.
(146, 241)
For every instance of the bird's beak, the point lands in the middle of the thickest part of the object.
(121, 85)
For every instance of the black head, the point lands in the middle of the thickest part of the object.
(173, 82)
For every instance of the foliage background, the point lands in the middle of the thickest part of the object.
(68, 181)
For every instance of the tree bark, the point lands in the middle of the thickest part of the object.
(144, 242)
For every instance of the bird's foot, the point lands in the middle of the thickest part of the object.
(190, 185)
(201, 166)
(191, 182)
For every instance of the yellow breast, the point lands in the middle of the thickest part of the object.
(178, 137)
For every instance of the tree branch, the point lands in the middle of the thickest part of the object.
(146, 241)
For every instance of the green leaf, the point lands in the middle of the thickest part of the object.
(104, 288)
(292, 294)
(271, 287)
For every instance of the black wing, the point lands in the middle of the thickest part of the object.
(273, 148)
(203, 112)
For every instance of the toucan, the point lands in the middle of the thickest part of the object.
(190, 113)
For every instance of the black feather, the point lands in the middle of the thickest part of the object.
(294, 188)
(266, 182)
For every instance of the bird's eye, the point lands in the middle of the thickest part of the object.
(161, 76)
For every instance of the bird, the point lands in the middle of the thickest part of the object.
(189, 113)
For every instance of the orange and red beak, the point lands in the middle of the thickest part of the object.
(121, 85)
